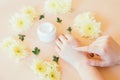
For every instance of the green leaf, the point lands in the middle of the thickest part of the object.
(36, 51)
(41, 17)
(59, 20)
(55, 59)
(69, 29)
(21, 37)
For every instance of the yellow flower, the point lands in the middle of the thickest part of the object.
(87, 25)
(54, 75)
(46, 70)
(39, 67)
(90, 30)
(8, 42)
(20, 22)
(30, 11)
(52, 71)
(58, 6)
(18, 51)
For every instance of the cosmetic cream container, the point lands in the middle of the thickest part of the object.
(46, 32)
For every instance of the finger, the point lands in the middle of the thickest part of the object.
(57, 49)
(90, 50)
(68, 36)
(85, 50)
(93, 62)
(103, 37)
(62, 39)
(82, 49)
(96, 50)
(98, 41)
(58, 43)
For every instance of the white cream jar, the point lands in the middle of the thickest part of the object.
(46, 32)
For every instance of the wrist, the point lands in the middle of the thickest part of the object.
(87, 72)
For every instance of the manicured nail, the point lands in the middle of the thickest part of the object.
(91, 54)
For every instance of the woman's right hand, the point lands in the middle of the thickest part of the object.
(106, 48)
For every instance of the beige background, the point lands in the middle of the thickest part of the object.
(107, 11)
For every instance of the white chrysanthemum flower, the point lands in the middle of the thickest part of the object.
(18, 51)
(87, 25)
(58, 6)
(46, 70)
(53, 75)
(30, 11)
(39, 67)
(21, 22)
(8, 42)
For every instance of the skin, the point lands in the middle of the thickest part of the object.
(106, 48)
(65, 45)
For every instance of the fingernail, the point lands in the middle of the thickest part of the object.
(91, 54)
(97, 55)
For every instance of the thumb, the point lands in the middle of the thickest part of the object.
(91, 49)
(82, 49)
(94, 62)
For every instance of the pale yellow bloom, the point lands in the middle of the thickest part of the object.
(39, 67)
(20, 22)
(87, 26)
(54, 75)
(14, 48)
(58, 6)
(30, 11)
(53, 72)
(8, 42)
(19, 51)
(46, 70)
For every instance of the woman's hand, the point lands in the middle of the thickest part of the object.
(65, 48)
(106, 48)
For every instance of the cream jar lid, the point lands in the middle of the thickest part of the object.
(46, 32)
